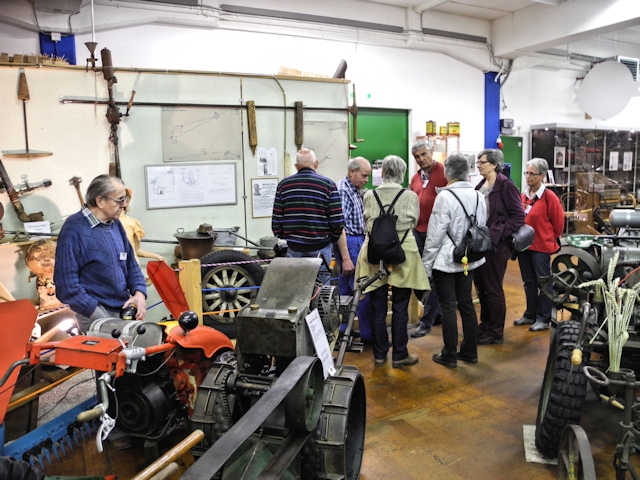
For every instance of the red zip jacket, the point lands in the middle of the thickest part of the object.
(547, 219)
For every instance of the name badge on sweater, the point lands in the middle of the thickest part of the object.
(123, 255)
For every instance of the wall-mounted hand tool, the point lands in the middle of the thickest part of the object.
(14, 193)
(299, 125)
(75, 181)
(113, 112)
(353, 110)
(23, 94)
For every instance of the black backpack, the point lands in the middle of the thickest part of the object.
(384, 243)
(476, 242)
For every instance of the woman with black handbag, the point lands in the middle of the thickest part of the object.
(448, 225)
(505, 216)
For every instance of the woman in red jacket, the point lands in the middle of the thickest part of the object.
(545, 214)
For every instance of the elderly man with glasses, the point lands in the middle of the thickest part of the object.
(96, 272)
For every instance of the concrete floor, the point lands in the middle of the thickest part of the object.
(431, 422)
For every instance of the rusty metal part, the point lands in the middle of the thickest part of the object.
(15, 201)
(173, 454)
(253, 129)
(299, 125)
(75, 181)
(353, 110)
(575, 459)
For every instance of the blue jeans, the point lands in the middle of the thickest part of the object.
(323, 274)
(534, 265)
(399, 320)
(346, 285)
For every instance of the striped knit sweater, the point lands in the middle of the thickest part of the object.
(91, 267)
(307, 211)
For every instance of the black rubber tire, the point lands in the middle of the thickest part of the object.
(13, 469)
(563, 390)
(248, 274)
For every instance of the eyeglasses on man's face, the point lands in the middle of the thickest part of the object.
(120, 201)
(531, 174)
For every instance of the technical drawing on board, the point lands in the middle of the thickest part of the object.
(183, 185)
(201, 134)
(330, 142)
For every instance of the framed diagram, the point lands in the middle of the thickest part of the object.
(471, 160)
(263, 193)
(190, 185)
(559, 155)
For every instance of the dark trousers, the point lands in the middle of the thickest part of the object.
(534, 265)
(489, 279)
(346, 285)
(454, 289)
(399, 321)
(431, 303)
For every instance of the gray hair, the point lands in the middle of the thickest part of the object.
(421, 143)
(393, 169)
(494, 157)
(540, 164)
(101, 186)
(456, 167)
(356, 164)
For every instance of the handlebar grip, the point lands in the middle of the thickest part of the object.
(576, 357)
(88, 415)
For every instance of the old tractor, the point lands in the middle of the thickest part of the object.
(593, 287)
(277, 401)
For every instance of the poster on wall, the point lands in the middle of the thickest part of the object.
(190, 185)
(471, 160)
(267, 159)
(627, 161)
(376, 173)
(613, 161)
(263, 194)
(199, 134)
(559, 154)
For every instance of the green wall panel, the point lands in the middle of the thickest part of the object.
(385, 132)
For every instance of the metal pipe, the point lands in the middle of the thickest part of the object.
(175, 453)
(11, 368)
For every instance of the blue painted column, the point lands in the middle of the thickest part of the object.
(491, 110)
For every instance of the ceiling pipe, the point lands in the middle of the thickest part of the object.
(428, 5)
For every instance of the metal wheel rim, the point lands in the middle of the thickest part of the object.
(584, 263)
(227, 277)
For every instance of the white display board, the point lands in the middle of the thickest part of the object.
(190, 185)
(199, 133)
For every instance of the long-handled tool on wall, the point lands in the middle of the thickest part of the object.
(23, 94)
(353, 109)
(113, 112)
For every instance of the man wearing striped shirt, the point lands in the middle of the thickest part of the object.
(307, 212)
(350, 243)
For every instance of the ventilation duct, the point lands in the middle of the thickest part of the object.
(631, 64)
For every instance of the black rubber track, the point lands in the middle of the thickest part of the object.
(563, 392)
(243, 275)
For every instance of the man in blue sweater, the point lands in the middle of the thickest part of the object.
(307, 212)
(96, 272)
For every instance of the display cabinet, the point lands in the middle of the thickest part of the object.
(590, 168)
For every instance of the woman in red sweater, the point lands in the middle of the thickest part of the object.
(545, 214)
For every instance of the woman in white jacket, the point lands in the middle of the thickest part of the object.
(447, 226)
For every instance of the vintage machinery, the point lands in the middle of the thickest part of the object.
(152, 375)
(579, 350)
(273, 414)
(275, 406)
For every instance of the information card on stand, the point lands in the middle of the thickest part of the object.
(319, 337)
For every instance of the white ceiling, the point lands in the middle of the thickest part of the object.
(623, 41)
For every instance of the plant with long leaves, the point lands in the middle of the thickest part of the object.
(618, 302)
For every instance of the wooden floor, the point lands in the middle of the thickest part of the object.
(431, 422)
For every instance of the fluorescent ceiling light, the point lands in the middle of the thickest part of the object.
(428, 5)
